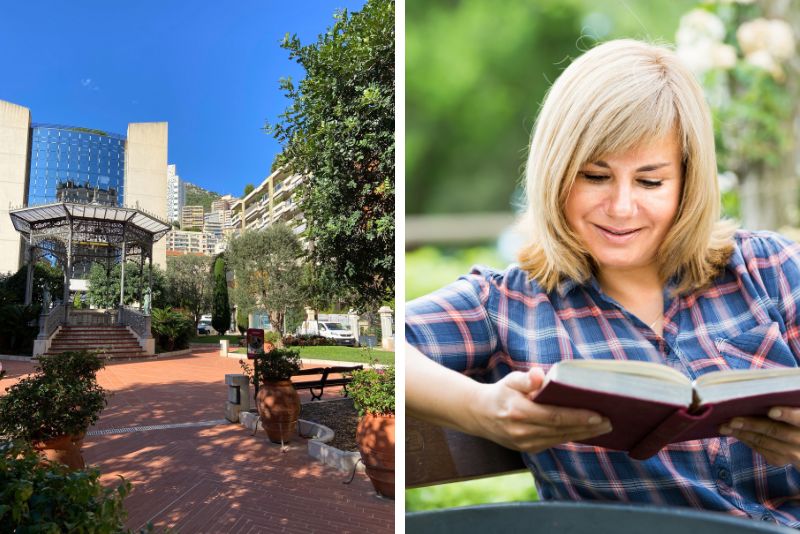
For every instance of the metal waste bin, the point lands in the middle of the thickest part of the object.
(580, 518)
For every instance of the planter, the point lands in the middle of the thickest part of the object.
(279, 408)
(63, 449)
(375, 437)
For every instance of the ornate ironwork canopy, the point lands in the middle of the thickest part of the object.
(85, 233)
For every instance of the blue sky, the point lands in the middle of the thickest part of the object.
(209, 68)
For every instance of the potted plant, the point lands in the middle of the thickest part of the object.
(52, 408)
(37, 496)
(372, 391)
(277, 401)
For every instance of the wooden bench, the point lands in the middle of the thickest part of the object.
(437, 455)
(326, 379)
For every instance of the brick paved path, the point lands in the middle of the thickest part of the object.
(215, 478)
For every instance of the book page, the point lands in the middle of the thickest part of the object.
(641, 380)
(734, 384)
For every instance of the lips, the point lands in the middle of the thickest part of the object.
(617, 235)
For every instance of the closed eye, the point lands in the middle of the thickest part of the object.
(597, 178)
(650, 184)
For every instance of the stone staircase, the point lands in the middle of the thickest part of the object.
(116, 342)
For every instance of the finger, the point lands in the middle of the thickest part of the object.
(557, 416)
(772, 457)
(768, 444)
(774, 429)
(561, 431)
(566, 437)
(786, 415)
(527, 382)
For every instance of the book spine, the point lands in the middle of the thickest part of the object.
(669, 431)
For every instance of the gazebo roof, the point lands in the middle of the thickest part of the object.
(29, 218)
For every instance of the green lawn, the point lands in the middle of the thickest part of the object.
(215, 339)
(506, 488)
(341, 354)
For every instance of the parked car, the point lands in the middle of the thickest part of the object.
(204, 328)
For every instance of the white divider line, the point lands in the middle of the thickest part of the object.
(156, 427)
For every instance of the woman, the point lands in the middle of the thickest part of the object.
(627, 259)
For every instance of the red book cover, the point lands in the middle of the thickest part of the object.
(643, 427)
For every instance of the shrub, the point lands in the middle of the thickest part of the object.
(172, 329)
(39, 496)
(277, 364)
(18, 328)
(271, 337)
(307, 341)
(372, 390)
(62, 397)
(242, 321)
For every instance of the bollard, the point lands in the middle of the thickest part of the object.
(238, 396)
(223, 347)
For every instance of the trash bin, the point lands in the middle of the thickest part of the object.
(578, 517)
(369, 340)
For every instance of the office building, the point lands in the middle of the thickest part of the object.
(47, 163)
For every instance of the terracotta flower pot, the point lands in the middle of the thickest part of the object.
(375, 438)
(63, 449)
(279, 408)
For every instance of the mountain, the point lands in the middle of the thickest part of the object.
(197, 196)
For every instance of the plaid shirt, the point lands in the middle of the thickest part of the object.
(490, 323)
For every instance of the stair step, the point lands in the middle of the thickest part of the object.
(99, 349)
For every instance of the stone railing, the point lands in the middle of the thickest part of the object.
(92, 317)
(139, 322)
(48, 323)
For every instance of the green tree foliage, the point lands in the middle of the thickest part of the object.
(242, 320)
(172, 329)
(267, 266)
(339, 132)
(189, 284)
(197, 196)
(45, 276)
(104, 286)
(221, 306)
(248, 189)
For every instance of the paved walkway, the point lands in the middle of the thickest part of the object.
(215, 477)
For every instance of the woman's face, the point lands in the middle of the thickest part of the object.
(623, 205)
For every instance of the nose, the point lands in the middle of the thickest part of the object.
(621, 202)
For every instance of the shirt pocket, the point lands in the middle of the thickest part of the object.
(757, 348)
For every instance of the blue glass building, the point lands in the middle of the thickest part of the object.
(71, 164)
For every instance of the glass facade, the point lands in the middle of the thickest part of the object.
(70, 164)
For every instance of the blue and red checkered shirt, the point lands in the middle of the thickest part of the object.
(490, 323)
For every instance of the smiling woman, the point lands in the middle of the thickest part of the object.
(626, 259)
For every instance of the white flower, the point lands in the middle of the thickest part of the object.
(697, 57)
(723, 56)
(773, 36)
(764, 60)
(699, 25)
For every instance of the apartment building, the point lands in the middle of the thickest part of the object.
(192, 217)
(181, 242)
(176, 194)
(270, 203)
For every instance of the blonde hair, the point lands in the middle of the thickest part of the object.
(611, 99)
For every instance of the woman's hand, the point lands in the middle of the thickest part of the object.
(776, 438)
(505, 413)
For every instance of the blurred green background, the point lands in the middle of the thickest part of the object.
(476, 74)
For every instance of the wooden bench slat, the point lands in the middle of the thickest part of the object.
(437, 455)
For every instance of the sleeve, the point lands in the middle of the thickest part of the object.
(775, 260)
(453, 326)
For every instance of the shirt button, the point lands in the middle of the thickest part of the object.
(724, 475)
(766, 517)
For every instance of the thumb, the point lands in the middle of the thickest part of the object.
(526, 382)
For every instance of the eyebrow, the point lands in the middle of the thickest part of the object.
(645, 168)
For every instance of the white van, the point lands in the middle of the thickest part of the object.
(329, 329)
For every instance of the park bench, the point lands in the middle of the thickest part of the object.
(327, 378)
(436, 455)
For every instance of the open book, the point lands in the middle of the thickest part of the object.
(651, 405)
